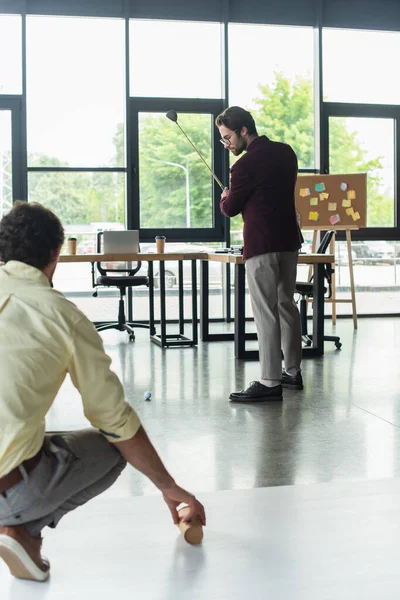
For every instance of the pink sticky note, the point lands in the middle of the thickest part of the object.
(334, 219)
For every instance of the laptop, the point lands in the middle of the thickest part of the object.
(121, 242)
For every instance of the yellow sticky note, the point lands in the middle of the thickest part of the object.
(313, 216)
(324, 196)
(332, 205)
(314, 201)
(350, 210)
(304, 192)
(356, 216)
(351, 195)
(346, 203)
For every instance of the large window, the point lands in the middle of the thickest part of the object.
(176, 189)
(271, 74)
(11, 54)
(172, 59)
(5, 162)
(360, 66)
(358, 145)
(76, 120)
(75, 92)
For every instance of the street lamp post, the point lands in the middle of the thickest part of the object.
(186, 169)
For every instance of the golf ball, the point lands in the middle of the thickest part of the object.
(147, 395)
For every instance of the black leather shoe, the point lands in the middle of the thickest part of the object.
(292, 382)
(257, 392)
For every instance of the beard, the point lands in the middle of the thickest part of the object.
(241, 145)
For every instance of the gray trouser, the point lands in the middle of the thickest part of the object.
(75, 466)
(271, 279)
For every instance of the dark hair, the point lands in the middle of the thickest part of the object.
(31, 234)
(235, 118)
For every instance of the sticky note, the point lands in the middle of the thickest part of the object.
(333, 219)
(356, 216)
(314, 201)
(319, 187)
(304, 192)
(331, 205)
(346, 203)
(343, 186)
(351, 195)
(324, 196)
(313, 216)
(350, 211)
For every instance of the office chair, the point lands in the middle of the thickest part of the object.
(305, 289)
(122, 282)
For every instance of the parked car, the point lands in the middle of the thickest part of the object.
(365, 253)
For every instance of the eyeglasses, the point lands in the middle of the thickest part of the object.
(226, 140)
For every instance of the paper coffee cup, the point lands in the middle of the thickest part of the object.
(71, 245)
(160, 243)
(192, 531)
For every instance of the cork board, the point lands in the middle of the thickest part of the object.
(332, 201)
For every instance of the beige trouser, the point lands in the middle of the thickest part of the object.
(271, 279)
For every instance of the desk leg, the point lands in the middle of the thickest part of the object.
(194, 304)
(204, 302)
(240, 311)
(318, 309)
(163, 315)
(181, 300)
(151, 298)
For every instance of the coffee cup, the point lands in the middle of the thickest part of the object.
(72, 245)
(160, 243)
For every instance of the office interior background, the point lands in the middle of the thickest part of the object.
(84, 88)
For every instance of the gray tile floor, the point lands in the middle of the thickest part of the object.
(344, 426)
(302, 498)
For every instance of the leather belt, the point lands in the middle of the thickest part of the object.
(15, 476)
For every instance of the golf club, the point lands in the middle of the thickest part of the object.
(172, 116)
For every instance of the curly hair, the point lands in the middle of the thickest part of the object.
(235, 118)
(30, 233)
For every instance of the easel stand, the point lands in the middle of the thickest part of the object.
(334, 300)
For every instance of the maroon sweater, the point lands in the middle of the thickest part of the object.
(262, 189)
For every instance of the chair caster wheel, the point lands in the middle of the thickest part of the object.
(338, 345)
(131, 337)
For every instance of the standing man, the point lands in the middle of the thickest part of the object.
(262, 190)
(43, 337)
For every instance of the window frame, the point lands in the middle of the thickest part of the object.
(383, 111)
(181, 105)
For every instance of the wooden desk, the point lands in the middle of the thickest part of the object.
(240, 336)
(164, 339)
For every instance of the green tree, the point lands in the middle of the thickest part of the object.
(285, 112)
(163, 184)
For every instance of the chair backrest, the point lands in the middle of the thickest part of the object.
(326, 239)
(328, 270)
(118, 242)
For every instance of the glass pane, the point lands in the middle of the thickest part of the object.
(75, 93)
(362, 145)
(85, 202)
(170, 59)
(6, 198)
(277, 88)
(176, 188)
(11, 54)
(358, 66)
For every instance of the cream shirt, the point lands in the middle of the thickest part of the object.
(43, 337)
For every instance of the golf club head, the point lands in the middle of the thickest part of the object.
(172, 116)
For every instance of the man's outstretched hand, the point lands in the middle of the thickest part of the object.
(175, 495)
